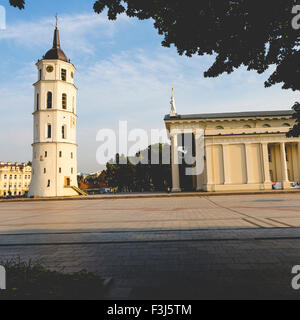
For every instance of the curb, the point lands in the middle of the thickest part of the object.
(151, 196)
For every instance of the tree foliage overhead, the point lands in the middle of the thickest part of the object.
(253, 33)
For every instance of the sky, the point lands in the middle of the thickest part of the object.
(123, 74)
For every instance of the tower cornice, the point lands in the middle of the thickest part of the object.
(55, 61)
(55, 81)
(54, 110)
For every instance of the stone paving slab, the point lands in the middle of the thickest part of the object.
(257, 269)
(241, 246)
(179, 213)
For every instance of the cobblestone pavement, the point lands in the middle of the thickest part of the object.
(186, 248)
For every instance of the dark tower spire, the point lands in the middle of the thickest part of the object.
(56, 41)
(56, 52)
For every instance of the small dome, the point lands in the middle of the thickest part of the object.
(56, 53)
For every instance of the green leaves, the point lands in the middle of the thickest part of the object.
(17, 3)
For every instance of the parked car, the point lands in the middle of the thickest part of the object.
(277, 186)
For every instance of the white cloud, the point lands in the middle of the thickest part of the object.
(77, 31)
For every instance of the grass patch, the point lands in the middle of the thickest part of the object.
(32, 281)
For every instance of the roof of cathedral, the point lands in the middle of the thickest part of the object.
(251, 114)
(56, 53)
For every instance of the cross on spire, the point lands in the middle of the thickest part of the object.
(56, 17)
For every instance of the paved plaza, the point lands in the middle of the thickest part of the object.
(241, 246)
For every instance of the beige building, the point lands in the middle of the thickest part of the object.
(14, 179)
(238, 151)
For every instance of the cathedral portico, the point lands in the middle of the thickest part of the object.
(241, 151)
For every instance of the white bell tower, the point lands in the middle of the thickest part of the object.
(54, 143)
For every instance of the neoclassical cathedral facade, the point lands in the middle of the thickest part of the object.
(243, 151)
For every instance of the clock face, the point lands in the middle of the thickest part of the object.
(49, 69)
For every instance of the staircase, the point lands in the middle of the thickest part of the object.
(79, 191)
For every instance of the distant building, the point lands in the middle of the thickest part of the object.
(14, 179)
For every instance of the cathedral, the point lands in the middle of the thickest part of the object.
(54, 163)
(243, 151)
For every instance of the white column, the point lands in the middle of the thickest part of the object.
(250, 179)
(298, 158)
(285, 176)
(209, 169)
(267, 178)
(175, 164)
(200, 153)
(226, 164)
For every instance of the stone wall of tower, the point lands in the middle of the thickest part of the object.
(55, 155)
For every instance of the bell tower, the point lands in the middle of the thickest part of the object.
(54, 133)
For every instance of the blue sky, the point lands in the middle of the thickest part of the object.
(123, 73)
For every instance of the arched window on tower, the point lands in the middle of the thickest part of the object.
(49, 100)
(49, 131)
(38, 102)
(64, 132)
(64, 101)
(63, 74)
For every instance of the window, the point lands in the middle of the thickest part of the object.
(60, 154)
(63, 132)
(59, 170)
(29, 177)
(286, 125)
(72, 170)
(49, 183)
(38, 102)
(40, 74)
(63, 74)
(220, 128)
(49, 131)
(45, 170)
(286, 154)
(46, 154)
(71, 155)
(15, 177)
(49, 100)
(247, 126)
(270, 155)
(10, 177)
(266, 126)
(26, 177)
(64, 101)
(5, 176)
